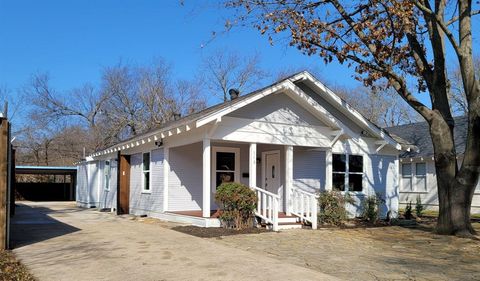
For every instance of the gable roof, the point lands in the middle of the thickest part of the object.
(215, 112)
(418, 134)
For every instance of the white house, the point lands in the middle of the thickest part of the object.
(286, 141)
(417, 168)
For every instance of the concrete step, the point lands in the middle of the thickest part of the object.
(283, 226)
(291, 219)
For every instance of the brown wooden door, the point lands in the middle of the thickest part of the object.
(123, 184)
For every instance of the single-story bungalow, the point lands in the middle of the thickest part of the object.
(417, 167)
(287, 141)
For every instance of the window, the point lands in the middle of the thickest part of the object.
(414, 177)
(106, 175)
(347, 172)
(146, 172)
(226, 164)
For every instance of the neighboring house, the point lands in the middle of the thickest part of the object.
(417, 168)
(286, 141)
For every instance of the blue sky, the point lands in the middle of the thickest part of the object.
(73, 40)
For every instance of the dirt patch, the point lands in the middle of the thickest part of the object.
(12, 269)
(212, 232)
(371, 253)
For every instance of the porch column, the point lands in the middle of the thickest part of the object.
(206, 178)
(328, 170)
(252, 166)
(288, 177)
(166, 172)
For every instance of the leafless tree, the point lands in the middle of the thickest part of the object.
(456, 95)
(383, 107)
(224, 70)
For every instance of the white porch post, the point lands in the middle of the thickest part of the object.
(206, 178)
(252, 166)
(166, 171)
(288, 178)
(328, 169)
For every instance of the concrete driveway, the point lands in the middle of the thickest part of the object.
(58, 241)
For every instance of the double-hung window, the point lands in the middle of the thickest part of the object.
(106, 175)
(347, 172)
(414, 177)
(146, 172)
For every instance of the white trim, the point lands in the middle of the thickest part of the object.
(374, 129)
(264, 154)
(206, 179)
(166, 172)
(288, 178)
(252, 165)
(105, 186)
(285, 85)
(347, 173)
(329, 169)
(213, 169)
(149, 190)
(412, 187)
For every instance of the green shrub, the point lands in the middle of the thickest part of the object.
(371, 207)
(238, 203)
(419, 208)
(408, 211)
(332, 207)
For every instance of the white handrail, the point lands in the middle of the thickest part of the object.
(304, 205)
(267, 206)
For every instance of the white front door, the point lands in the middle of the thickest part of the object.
(271, 173)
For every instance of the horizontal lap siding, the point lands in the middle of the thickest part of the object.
(108, 198)
(309, 170)
(429, 198)
(185, 178)
(146, 203)
(82, 184)
(381, 177)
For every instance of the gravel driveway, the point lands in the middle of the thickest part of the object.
(58, 241)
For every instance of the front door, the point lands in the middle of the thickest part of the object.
(123, 184)
(271, 172)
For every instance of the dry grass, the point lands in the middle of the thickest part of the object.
(12, 269)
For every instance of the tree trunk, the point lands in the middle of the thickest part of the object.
(455, 187)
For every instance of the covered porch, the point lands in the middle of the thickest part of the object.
(266, 168)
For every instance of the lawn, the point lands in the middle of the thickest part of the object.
(12, 269)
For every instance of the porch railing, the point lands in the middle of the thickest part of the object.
(304, 205)
(267, 206)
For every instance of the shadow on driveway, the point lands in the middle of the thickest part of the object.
(33, 224)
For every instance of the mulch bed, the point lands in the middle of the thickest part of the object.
(213, 232)
(12, 269)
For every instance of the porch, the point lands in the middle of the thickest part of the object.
(267, 168)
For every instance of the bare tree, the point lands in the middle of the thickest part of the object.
(457, 96)
(225, 70)
(141, 98)
(399, 41)
(383, 107)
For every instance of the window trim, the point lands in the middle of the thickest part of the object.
(149, 190)
(413, 177)
(347, 172)
(213, 169)
(106, 186)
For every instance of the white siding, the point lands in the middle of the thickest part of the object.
(108, 198)
(146, 203)
(87, 184)
(309, 170)
(429, 198)
(381, 177)
(185, 178)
